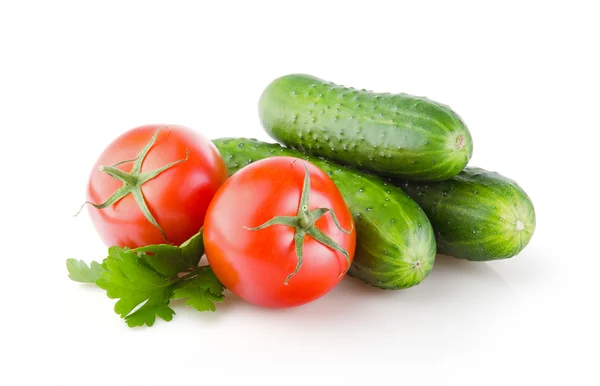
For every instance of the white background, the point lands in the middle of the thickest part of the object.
(523, 75)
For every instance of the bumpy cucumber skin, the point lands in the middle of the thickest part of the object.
(395, 245)
(477, 215)
(397, 135)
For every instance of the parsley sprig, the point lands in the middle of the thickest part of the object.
(146, 279)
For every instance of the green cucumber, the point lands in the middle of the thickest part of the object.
(396, 135)
(395, 245)
(477, 215)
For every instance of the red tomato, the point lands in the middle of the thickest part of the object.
(258, 265)
(176, 198)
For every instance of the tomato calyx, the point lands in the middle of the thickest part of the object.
(133, 181)
(304, 225)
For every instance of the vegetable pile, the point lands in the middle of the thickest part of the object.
(367, 184)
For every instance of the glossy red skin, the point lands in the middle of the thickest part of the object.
(254, 264)
(177, 198)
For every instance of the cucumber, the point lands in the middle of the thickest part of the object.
(477, 215)
(395, 245)
(397, 135)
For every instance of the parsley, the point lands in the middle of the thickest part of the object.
(146, 279)
(79, 271)
(202, 291)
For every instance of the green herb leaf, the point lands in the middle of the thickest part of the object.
(202, 291)
(79, 271)
(164, 259)
(146, 279)
(169, 260)
(133, 283)
(193, 249)
(156, 305)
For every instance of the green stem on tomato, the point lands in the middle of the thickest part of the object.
(304, 225)
(133, 181)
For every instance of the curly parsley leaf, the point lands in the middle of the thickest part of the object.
(202, 291)
(79, 271)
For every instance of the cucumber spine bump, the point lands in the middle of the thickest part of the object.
(477, 215)
(395, 244)
(396, 135)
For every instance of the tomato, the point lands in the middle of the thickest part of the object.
(259, 261)
(172, 204)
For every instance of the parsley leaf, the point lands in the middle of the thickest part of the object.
(169, 260)
(164, 259)
(80, 272)
(156, 305)
(146, 279)
(133, 283)
(202, 290)
(193, 249)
